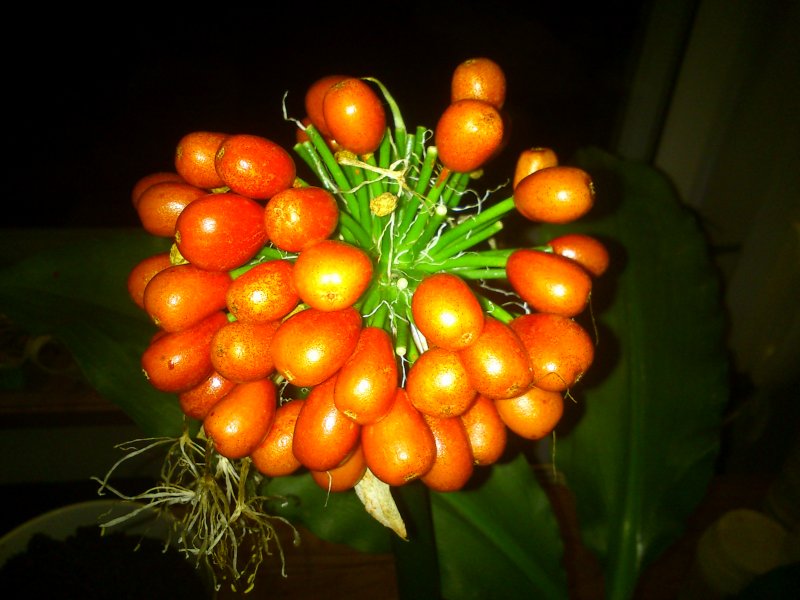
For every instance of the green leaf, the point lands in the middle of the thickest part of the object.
(499, 539)
(337, 517)
(641, 453)
(72, 284)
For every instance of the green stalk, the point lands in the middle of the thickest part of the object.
(468, 260)
(371, 298)
(491, 214)
(427, 169)
(352, 228)
(356, 176)
(333, 167)
(453, 193)
(402, 336)
(385, 151)
(397, 116)
(379, 316)
(480, 273)
(311, 158)
(376, 184)
(417, 560)
(471, 238)
(495, 310)
(424, 221)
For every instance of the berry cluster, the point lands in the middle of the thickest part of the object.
(370, 322)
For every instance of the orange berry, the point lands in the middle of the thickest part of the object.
(452, 467)
(532, 415)
(486, 431)
(198, 401)
(400, 447)
(497, 364)
(438, 385)
(345, 476)
(354, 115)
(242, 350)
(560, 350)
(194, 158)
(446, 311)
(558, 194)
(242, 418)
(531, 160)
(480, 79)
(468, 133)
(273, 456)
(584, 249)
(323, 435)
(549, 282)
(143, 272)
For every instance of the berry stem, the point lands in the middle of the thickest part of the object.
(306, 151)
(495, 310)
(472, 237)
(344, 186)
(397, 116)
(352, 229)
(490, 215)
(468, 260)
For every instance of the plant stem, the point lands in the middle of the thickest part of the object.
(471, 238)
(491, 214)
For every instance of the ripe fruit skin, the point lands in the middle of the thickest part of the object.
(153, 178)
(273, 456)
(242, 351)
(452, 467)
(497, 364)
(584, 249)
(354, 115)
(531, 160)
(254, 166)
(239, 421)
(299, 217)
(559, 194)
(161, 204)
(345, 476)
(549, 282)
(323, 435)
(367, 382)
(176, 362)
(331, 274)
(532, 415)
(480, 79)
(400, 447)
(182, 295)
(264, 293)
(194, 158)
(197, 402)
(560, 349)
(438, 385)
(447, 312)
(143, 272)
(312, 345)
(468, 133)
(314, 98)
(221, 231)
(486, 431)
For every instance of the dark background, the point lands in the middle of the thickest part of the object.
(99, 100)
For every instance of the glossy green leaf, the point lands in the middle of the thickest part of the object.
(337, 517)
(72, 284)
(640, 451)
(500, 538)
